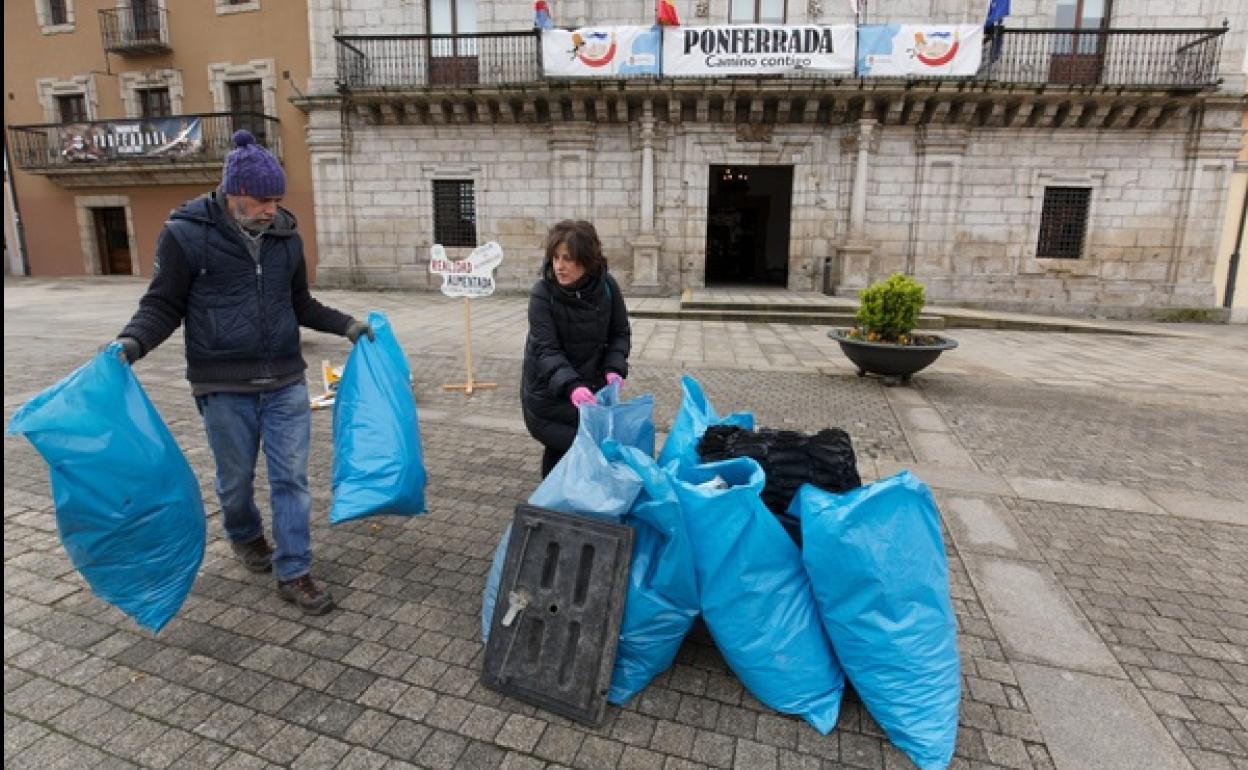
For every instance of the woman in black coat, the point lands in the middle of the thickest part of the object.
(578, 337)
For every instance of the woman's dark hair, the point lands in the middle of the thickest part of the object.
(583, 245)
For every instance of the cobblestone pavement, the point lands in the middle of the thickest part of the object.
(1096, 512)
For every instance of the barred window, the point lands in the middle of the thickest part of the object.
(454, 212)
(1064, 222)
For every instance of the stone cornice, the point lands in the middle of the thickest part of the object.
(768, 102)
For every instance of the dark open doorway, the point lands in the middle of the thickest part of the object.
(113, 241)
(747, 225)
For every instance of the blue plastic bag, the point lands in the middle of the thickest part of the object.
(881, 578)
(756, 598)
(662, 598)
(583, 481)
(630, 422)
(378, 463)
(128, 507)
(695, 416)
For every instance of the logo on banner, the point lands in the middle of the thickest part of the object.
(935, 49)
(594, 48)
(472, 276)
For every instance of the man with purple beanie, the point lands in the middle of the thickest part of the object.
(229, 268)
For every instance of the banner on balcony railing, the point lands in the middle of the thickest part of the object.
(909, 50)
(595, 52)
(757, 49)
(120, 139)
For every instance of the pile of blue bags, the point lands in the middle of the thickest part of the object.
(866, 597)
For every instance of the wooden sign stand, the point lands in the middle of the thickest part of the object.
(470, 384)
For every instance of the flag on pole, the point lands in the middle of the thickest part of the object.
(665, 14)
(997, 11)
(541, 15)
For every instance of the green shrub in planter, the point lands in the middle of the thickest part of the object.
(889, 309)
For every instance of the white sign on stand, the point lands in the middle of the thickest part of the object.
(470, 277)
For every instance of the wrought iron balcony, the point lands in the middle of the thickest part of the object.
(1143, 59)
(175, 149)
(1182, 59)
(406, 61)
(135, 31)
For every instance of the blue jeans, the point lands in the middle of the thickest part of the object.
(237, 425)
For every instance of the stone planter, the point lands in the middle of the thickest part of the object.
(895, 362)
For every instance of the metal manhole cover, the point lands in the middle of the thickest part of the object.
(556, 623)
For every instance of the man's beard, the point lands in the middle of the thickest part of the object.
(251, 224)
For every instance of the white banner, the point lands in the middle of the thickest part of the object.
(907, 50)
(595, 52)
(757, 49)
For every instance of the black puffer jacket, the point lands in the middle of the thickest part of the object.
(241, 316)
(575, 337)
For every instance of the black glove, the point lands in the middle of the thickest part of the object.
(356, 328)
(131, 348)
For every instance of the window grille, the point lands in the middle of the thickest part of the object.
(454, 212)
(1064, 222)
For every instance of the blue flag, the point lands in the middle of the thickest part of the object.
(997, 11)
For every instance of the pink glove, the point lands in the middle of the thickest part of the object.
(581, 396)
(613, 378)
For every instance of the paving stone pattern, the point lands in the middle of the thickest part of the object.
(240, 679)
(1177, 620)
(1108, 435)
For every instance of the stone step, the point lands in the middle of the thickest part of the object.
(751, 314)
(830, 306)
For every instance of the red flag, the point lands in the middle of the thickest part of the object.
(665, 14)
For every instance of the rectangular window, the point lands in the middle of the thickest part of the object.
(454, 212)
(757, 11)
(58, 12)
(73, 108)
(154, 102)
(1064, 222)
(247, 107)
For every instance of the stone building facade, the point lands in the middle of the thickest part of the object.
(804, 182)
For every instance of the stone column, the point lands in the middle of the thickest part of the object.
(852, 270)
(323, 19)
(646, 243)
(331, 197)
(858, 198)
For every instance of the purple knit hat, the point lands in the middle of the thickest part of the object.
(252, 170)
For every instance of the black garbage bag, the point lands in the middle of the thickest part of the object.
(789, 459)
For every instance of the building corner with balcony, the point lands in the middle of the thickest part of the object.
(1085, 167)
(117, 112)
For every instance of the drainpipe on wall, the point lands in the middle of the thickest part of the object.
(1228, 296)
(10, 190)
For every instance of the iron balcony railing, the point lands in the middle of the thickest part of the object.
(1132, 58)
(174, 139)
(1129, 58)
(390, 61)
(138, 29)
